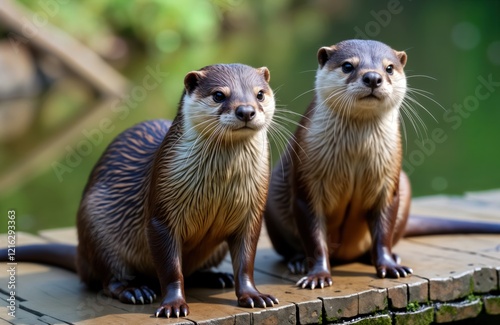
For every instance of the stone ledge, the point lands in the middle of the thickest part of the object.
(450, 312)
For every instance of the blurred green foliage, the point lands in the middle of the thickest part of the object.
(162, 24)
(454, 42)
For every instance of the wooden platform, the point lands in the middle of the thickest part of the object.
(456, 277)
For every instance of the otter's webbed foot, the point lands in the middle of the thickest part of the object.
(129, 294)
(389, 267)
(209, 279)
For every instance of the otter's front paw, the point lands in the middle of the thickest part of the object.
(313, 280)
(175, 307)
(390, 268)
(393, 270)
(257, 299)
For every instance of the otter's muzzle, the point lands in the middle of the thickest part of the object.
(372, 79)
(245, 113)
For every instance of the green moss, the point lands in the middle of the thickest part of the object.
(332, 319)
(424, 316)
(472, 297)
(320, 319)
(492, 304)
(471, 285)
(376, 321)
(447, 309)
(413, 306)
(494, 300)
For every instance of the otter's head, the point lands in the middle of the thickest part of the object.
(233, 101)
(361, 78)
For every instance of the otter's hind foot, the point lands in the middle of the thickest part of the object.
(129, 294)
(297, 264)
(210, 279)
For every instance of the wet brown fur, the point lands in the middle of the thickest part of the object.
(338, 192)
(165, 201)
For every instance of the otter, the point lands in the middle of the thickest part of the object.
(338, 193)
(167, 200)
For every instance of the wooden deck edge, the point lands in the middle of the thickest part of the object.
(469, 292)
(456, 278)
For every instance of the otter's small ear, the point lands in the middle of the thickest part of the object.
(191, 80)
(402, 57)
(324, 54)
(265, 73)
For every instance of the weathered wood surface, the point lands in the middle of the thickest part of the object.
(455, 277)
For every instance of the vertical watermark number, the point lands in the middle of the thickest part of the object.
(12, 265)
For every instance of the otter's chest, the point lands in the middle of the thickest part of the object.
(349, 164)
(211, 194)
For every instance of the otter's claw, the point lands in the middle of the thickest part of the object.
(257, 300)
(176, 310)
(315, 280)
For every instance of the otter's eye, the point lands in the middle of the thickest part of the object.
(347, 67)
(390, 69)
(260, 96)
(218, 97)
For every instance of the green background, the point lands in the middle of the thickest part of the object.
(450, 44)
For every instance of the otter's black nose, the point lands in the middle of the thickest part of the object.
(245, 113)
(372, 79)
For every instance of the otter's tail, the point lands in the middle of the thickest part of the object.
(61, 255)
(421, 226)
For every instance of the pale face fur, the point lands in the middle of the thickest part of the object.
(205, 115)
(344, 91)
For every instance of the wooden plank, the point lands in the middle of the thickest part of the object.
(487, 245)
(455, 208)
(444, 271)
(355, 287)
(45, 294)
(59, 294)
(132, 318)
(22, 238)
(61, 235)
(21, 316)
(450, 273)
(490, 196)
